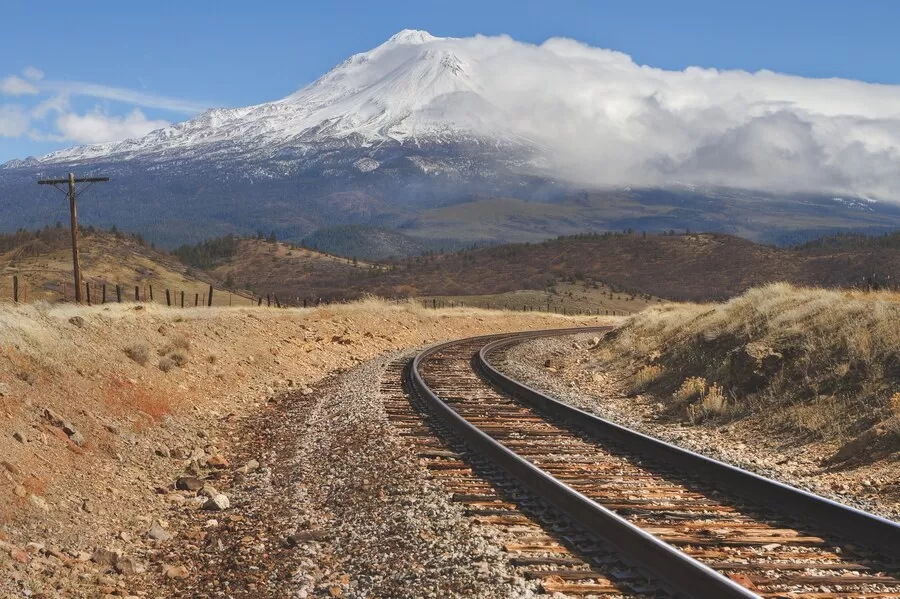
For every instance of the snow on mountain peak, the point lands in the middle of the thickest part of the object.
(411, 36)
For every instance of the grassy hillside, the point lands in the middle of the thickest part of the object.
(42, 260)
(821, 364)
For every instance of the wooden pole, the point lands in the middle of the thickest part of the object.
(209, 302)
(87, 288)
(151, 293)
(119, 293)
(24, 292)
(277, 303)
(103, 301)
(182, 298)
(15, 289)
(196, 299)
(268, 301)
(259, 302)
(73, 213)
(137, 293)
(168, 298)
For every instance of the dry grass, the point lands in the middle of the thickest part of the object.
(692, 388)
(644, 377)
(712, 404)
(822, 363)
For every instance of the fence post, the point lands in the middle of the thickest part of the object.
(196, 299)
(259, 302)
(168, 298)
(87, 287)
(277, 303)
(103, 299)
(209, 302)
(268, 301)
(16, 289)
(151, 293)
(137, 293)
(24, 292)
(119, 293)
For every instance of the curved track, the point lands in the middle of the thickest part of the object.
(704, 528)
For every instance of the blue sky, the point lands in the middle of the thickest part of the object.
(108, 68)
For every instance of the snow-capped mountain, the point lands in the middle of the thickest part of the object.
(584, 136)
(415, 88)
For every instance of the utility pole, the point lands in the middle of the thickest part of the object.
(73, 210)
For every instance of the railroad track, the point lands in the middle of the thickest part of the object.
(694, 526)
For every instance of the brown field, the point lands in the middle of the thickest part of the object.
(566, 298)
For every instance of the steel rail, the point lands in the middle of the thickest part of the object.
(682, 572)
(854, 525)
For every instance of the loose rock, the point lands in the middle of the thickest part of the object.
(217, 503)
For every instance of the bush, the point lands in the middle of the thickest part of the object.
(166, 364)
(139, 352)
(692, 388)
(644, 377)
(711, 405)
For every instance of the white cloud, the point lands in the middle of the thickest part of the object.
(97, 126)
(14, 120)
(16, 86)
(127, 96)
(33, 73)
(605, 120)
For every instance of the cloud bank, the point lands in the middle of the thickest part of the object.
(605, 120)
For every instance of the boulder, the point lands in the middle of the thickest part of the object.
(188, 483)
(217, 503)
(750, 366)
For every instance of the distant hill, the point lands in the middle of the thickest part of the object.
(373, 243)
(674, 266)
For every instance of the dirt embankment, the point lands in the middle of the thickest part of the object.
(800, 384)
(102, 409)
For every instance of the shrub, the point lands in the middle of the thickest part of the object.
(692, 388)
(166, 364)
(644, 377)
(178, 358)
(711, 405)
(139, 352)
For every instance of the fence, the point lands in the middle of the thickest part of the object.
(96, 292)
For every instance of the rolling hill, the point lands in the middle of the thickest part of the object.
(673, 266)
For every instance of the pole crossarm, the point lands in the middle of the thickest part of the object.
(77, 180)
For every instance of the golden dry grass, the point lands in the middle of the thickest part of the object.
(823, 362)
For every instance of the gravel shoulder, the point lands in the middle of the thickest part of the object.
(339, 507)
(564, 368)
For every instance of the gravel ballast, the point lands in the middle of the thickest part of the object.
(339, 507)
